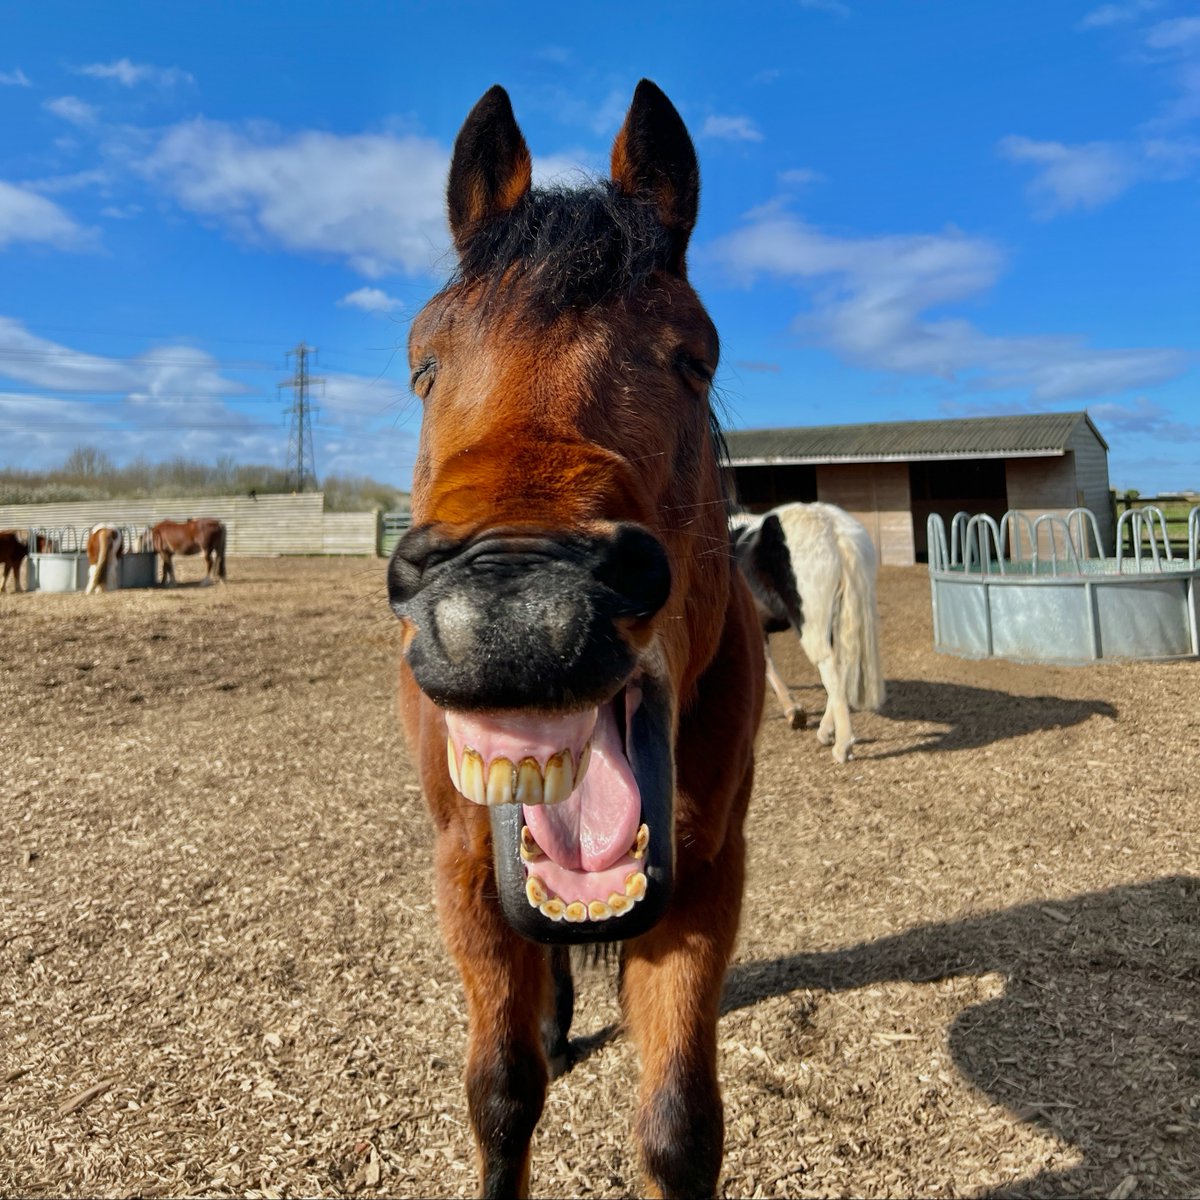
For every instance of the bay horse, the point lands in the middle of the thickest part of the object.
(582, 672)
(105, 547)
(13, 549)
(193, 536)
(812, 568)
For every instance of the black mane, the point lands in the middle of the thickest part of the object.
(584, 246)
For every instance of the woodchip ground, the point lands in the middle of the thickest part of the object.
(969, 961)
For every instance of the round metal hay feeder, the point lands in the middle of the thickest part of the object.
(137, 564)
(62, 566)
(1043, 590)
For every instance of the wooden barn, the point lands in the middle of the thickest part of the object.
(892, 475)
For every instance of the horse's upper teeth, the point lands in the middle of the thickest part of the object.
(500, 782)
(559, 778)
(471, 777)
(529, 782)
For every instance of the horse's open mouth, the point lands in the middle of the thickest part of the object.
(581, 812)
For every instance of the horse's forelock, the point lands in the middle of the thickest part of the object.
(583, 246)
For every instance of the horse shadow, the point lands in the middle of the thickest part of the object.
(1095, 1038)
(976, 716)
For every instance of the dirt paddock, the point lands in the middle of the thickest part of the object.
(969, 961)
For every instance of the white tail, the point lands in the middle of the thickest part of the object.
(857, 633)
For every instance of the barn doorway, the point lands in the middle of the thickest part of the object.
(948, 486)
(762, 488)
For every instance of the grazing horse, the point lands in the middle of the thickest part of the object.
(582, 671)
(105, 547)
(12, 553)
(812, 567)
(192, 536)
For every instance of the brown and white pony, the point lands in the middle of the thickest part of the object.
(812, 567)
(13, 549)
(193, 536)
(105, 548)
(582, 673)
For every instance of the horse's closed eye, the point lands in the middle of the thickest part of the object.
(423, 376)
(693, 368)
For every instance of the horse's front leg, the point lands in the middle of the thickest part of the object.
(671, 994)
(507, 984)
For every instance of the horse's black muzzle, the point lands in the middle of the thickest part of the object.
(517, 619)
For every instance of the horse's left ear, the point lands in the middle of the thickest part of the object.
(491, 170)
(653, 158)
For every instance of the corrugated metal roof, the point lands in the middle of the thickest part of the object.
(1026, 436)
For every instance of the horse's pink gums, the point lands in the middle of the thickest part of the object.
(516, 736)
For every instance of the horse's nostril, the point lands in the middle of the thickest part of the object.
(636, 568)
(418, 550)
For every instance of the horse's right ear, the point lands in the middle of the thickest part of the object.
(491, 170)
(653, 158)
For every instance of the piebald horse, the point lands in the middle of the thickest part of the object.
(582, 671)
(812, 567)
(193, 536)
(105, 548)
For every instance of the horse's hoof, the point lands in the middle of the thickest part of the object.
(843, 754)
(797, 718)
(825, 737)
(559, 1061)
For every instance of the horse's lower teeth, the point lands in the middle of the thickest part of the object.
(641, 842)
(579, 910)
(530, 850)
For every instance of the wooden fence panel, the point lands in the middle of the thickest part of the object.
(263, 525)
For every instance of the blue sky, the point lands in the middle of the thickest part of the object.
(910, 209)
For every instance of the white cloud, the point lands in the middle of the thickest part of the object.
(574, 169)
(733, 129)
(1116, 14)
(72, 109)
(161, 371)
(55, 184)
(870, 298)
(371, 300)
(178, 400)
(116, 212)
(1180, 33)
(28, 217)
(130, 74)
(16, 78)
(1071, 177)
(800, 177)
(374, 200)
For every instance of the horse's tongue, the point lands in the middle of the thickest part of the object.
(597, 823)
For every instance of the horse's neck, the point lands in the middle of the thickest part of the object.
(739, 518)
